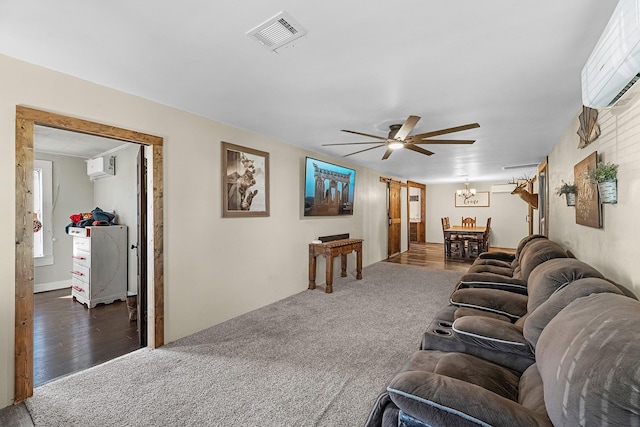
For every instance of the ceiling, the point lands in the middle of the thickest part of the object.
(513, 67)
(56, 141)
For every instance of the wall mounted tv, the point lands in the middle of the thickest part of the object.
(328, 189)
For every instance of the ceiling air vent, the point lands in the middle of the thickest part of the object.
(524, 166)
(277, 32)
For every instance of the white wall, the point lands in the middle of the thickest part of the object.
(72, 193)
(119, 193)
(508, 213)
(215, 268)
(611, 249)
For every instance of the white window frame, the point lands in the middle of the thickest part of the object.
(43, 206)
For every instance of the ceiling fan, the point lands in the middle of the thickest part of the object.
(399, 138)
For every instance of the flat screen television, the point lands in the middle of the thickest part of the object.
(328, 189)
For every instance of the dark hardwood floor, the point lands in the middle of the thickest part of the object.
(69, 338)
(432, 255)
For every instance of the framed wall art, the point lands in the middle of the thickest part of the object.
(245, 181)
(478, 200)
(328, 189)
(587, 203)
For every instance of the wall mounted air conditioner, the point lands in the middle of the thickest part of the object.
(101, 167)
(614, 64)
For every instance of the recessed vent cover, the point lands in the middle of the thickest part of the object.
(277, 32)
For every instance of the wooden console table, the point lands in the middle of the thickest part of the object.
(329, 250)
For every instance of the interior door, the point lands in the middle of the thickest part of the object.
(142, 248)
(395, 221)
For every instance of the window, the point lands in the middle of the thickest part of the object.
(42, 209)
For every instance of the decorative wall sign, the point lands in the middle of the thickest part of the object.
(587, 203)
(479, 200)
(245, 181)
(589, 130)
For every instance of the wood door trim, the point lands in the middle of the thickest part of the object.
(393, 236)
(26, 119)
(543, 167)
(422, 233)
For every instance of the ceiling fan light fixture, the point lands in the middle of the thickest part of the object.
(394, 145)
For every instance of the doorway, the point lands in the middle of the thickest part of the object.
(394, 210)
(26, 119)
(417, 212)
(68, 335)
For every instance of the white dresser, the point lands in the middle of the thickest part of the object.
(99, 273)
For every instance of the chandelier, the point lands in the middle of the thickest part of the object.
(466, 192)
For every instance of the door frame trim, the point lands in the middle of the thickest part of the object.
(423, 210)
(26, 119)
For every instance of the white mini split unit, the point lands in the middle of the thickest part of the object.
(101, 167)
(614, 64)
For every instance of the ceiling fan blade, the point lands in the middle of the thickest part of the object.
(445, 131)
(442, 141)
(365, 134)
(366, 149)
(387, 154)
(351, 143)
(418, 149)
(406, 128)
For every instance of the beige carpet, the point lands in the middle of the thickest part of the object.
(313, 359)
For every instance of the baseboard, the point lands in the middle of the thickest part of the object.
(51, 286)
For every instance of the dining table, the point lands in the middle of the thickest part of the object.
(465, 233)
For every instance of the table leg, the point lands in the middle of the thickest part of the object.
(359, 264)
(329, 276)
(343, 261)
(312, 270)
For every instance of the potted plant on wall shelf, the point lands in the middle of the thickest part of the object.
(569, 190)
(606, 174)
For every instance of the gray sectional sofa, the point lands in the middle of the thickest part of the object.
(567, 353)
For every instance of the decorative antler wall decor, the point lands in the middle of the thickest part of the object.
(589, 130)
(524, 193)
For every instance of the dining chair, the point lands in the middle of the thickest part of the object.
(469, 222)
(485, 242)
(447, 222)
(447, 241)
(453, 244)
(478, 243)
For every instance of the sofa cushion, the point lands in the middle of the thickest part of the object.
(588, 360)
(500, 258)
(456, 389)
(494, 340)
(468, 311)
(508, 304)
(492, 281)
(531, 390)
(554, 274)
(492, 334)
(543, 314)
(535, 253)
(491, 267)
